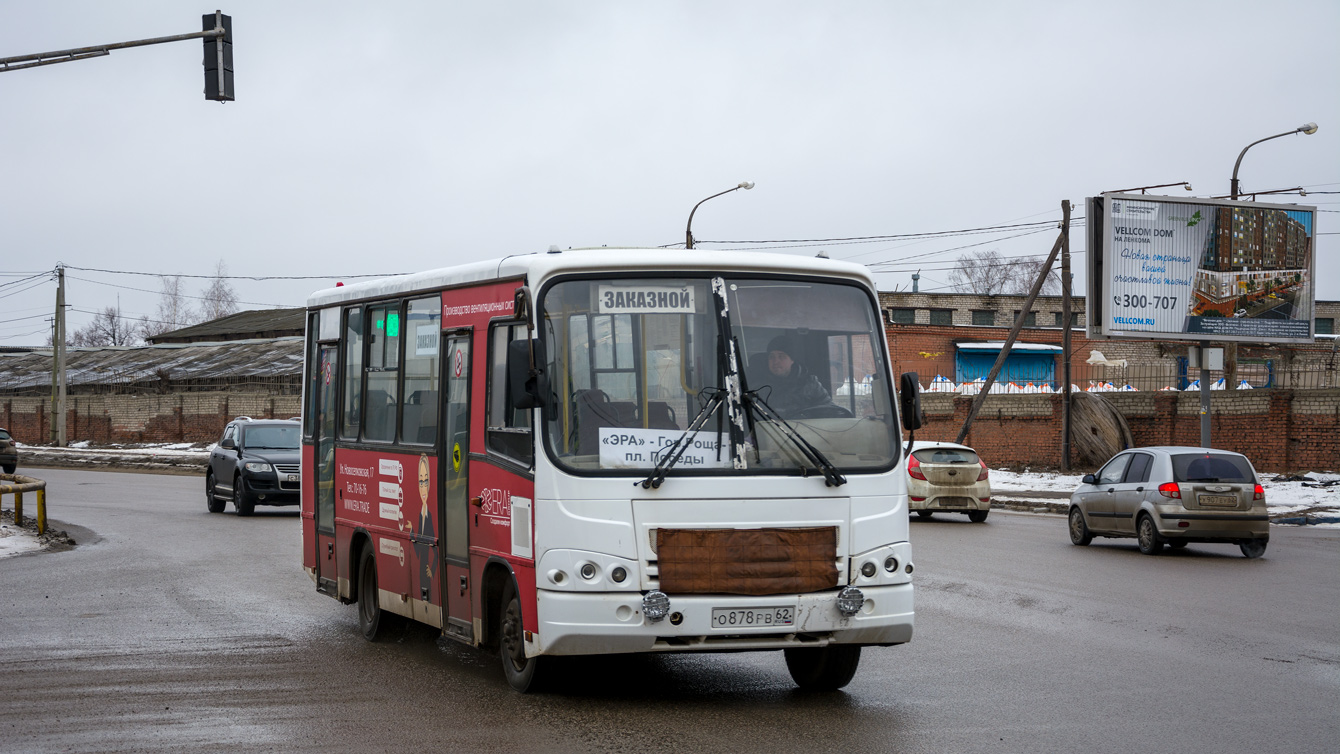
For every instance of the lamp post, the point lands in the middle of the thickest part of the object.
(1306, 128)
(1231, 352)
(688, 230)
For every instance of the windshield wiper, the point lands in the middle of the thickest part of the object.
(832, 477)
(715, 397)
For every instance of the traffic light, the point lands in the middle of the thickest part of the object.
(218, 57)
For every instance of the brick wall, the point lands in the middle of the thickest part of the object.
(1279, 430)
(180, 417)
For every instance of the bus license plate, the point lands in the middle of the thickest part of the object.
(736, 617)
(293, 477)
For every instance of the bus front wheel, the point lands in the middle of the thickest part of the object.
(823, 668)
(519, 669)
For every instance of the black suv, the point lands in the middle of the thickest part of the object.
(256, 462)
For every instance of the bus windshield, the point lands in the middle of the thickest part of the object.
(634, 361)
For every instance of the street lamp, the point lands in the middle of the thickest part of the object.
(688, 230)
(1306, 128)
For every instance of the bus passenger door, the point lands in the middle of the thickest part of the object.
(323, 434)
(453, 486)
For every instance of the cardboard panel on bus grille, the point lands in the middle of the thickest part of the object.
(747, 561)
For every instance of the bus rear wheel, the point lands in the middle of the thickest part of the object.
(519, 669)
(372, 620)
(823, 668)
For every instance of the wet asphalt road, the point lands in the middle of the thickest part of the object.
(171, 628)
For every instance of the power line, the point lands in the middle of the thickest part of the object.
(145, 290)
(35, 284)
(903, 260)
(899, 236)
(234, 277)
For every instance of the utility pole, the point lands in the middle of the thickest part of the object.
(58, 363)
(1018, 325)
(1065, 335)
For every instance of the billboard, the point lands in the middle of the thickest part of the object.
(1162, 268)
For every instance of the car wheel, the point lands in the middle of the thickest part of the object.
(212, 501)
(1252, 548)
(823, 668)
(977, 517)
(521, 671)
(372, 620)
(242, 502)
(924, 513)
(1176, 544)
(1079, 531)
(10, 468)
(1148, 537)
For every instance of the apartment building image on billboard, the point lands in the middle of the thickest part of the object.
(1256, 263)
(1201, 269)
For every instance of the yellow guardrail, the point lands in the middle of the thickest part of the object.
(18, 485)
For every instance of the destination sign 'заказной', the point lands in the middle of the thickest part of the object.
(1172, 269)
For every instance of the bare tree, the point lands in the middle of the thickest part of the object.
(107, 329)
(1027, 270)
(219, 299)
(173, 311)
(989, 273)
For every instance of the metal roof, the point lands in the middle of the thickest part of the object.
(258, 323)
(273, 358)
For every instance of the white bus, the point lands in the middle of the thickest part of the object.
(613, 450)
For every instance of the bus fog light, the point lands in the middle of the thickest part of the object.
(655, 605)
(676, 618)
(908, 568)
(588, 571)
(618, 574)
(868, 569)
(891, 564)
(849, 601)
(558, 577)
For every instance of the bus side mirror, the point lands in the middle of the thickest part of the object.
(526, 385)
(909, 401)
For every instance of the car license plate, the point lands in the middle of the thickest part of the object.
(293, 477)
(1221, 501)
(737, 617)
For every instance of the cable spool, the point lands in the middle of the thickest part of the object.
(1097, 430)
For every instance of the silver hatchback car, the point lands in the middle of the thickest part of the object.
(1172, 496)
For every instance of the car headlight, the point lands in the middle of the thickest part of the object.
(257, 467)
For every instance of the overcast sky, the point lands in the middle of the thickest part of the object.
(396, 137)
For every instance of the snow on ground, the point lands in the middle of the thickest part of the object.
(15, 541)
(1282, 498)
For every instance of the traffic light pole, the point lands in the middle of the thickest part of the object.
(19, 62)
(218, 60)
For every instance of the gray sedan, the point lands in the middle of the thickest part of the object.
(1172, 496)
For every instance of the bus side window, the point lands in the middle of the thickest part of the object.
(508, 428)
(353, 374)
(383, 369)
(423, 328)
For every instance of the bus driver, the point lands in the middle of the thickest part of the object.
(794, 389)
